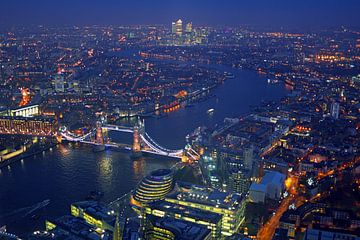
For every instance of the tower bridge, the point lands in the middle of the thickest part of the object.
(142, 142)
(48, 127)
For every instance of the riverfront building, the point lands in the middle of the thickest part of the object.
(69, 228)
(155, 186)
(39, 126)
(95, 214)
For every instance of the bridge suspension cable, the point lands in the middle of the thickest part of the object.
(160, 150)
(160, 147)
(72, 137)
(147, 140)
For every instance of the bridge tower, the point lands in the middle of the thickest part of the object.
(136, 142)
(99, 137)
(139, 129)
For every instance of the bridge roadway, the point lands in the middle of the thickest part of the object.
(118, 128)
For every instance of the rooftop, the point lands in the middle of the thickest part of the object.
(181, 229)
(208, 196)
(188, 211)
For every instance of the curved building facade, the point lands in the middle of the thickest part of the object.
(154, 186)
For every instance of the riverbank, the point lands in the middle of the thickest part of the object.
(21, 154)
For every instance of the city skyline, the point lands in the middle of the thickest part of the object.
(179, 120)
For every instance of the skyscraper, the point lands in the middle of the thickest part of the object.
(173, 28)
(188, 28)
(178, 27)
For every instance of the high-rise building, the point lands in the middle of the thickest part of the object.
(178, 27)
(239, 182)
(210, 167)
(334, 110)
(173, 28)
(188, 28)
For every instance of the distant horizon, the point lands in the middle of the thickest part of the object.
(275, 14)
(251, 27)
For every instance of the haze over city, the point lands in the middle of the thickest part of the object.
(263, 13)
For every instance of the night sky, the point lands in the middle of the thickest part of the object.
(263, 13)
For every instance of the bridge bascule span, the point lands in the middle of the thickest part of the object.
(142, 142)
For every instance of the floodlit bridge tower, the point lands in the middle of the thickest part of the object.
(99, 137)
(139, 129)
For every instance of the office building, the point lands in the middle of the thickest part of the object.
(95, 214)
(188, 28)
(70, 228)
(170, 210)
(178, 27)
(239, 182)
(271, 186)
(164, 228)
(231, 206)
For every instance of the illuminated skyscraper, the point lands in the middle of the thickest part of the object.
(173, 28)
(178, 27)
(188, 28)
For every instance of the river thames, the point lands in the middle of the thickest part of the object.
(68, 172)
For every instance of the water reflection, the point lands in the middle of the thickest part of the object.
(105, 165)
(65, 151)
(138, 168)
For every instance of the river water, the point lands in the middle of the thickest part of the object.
(68, 172)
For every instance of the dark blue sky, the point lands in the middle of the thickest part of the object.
(294, 13)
